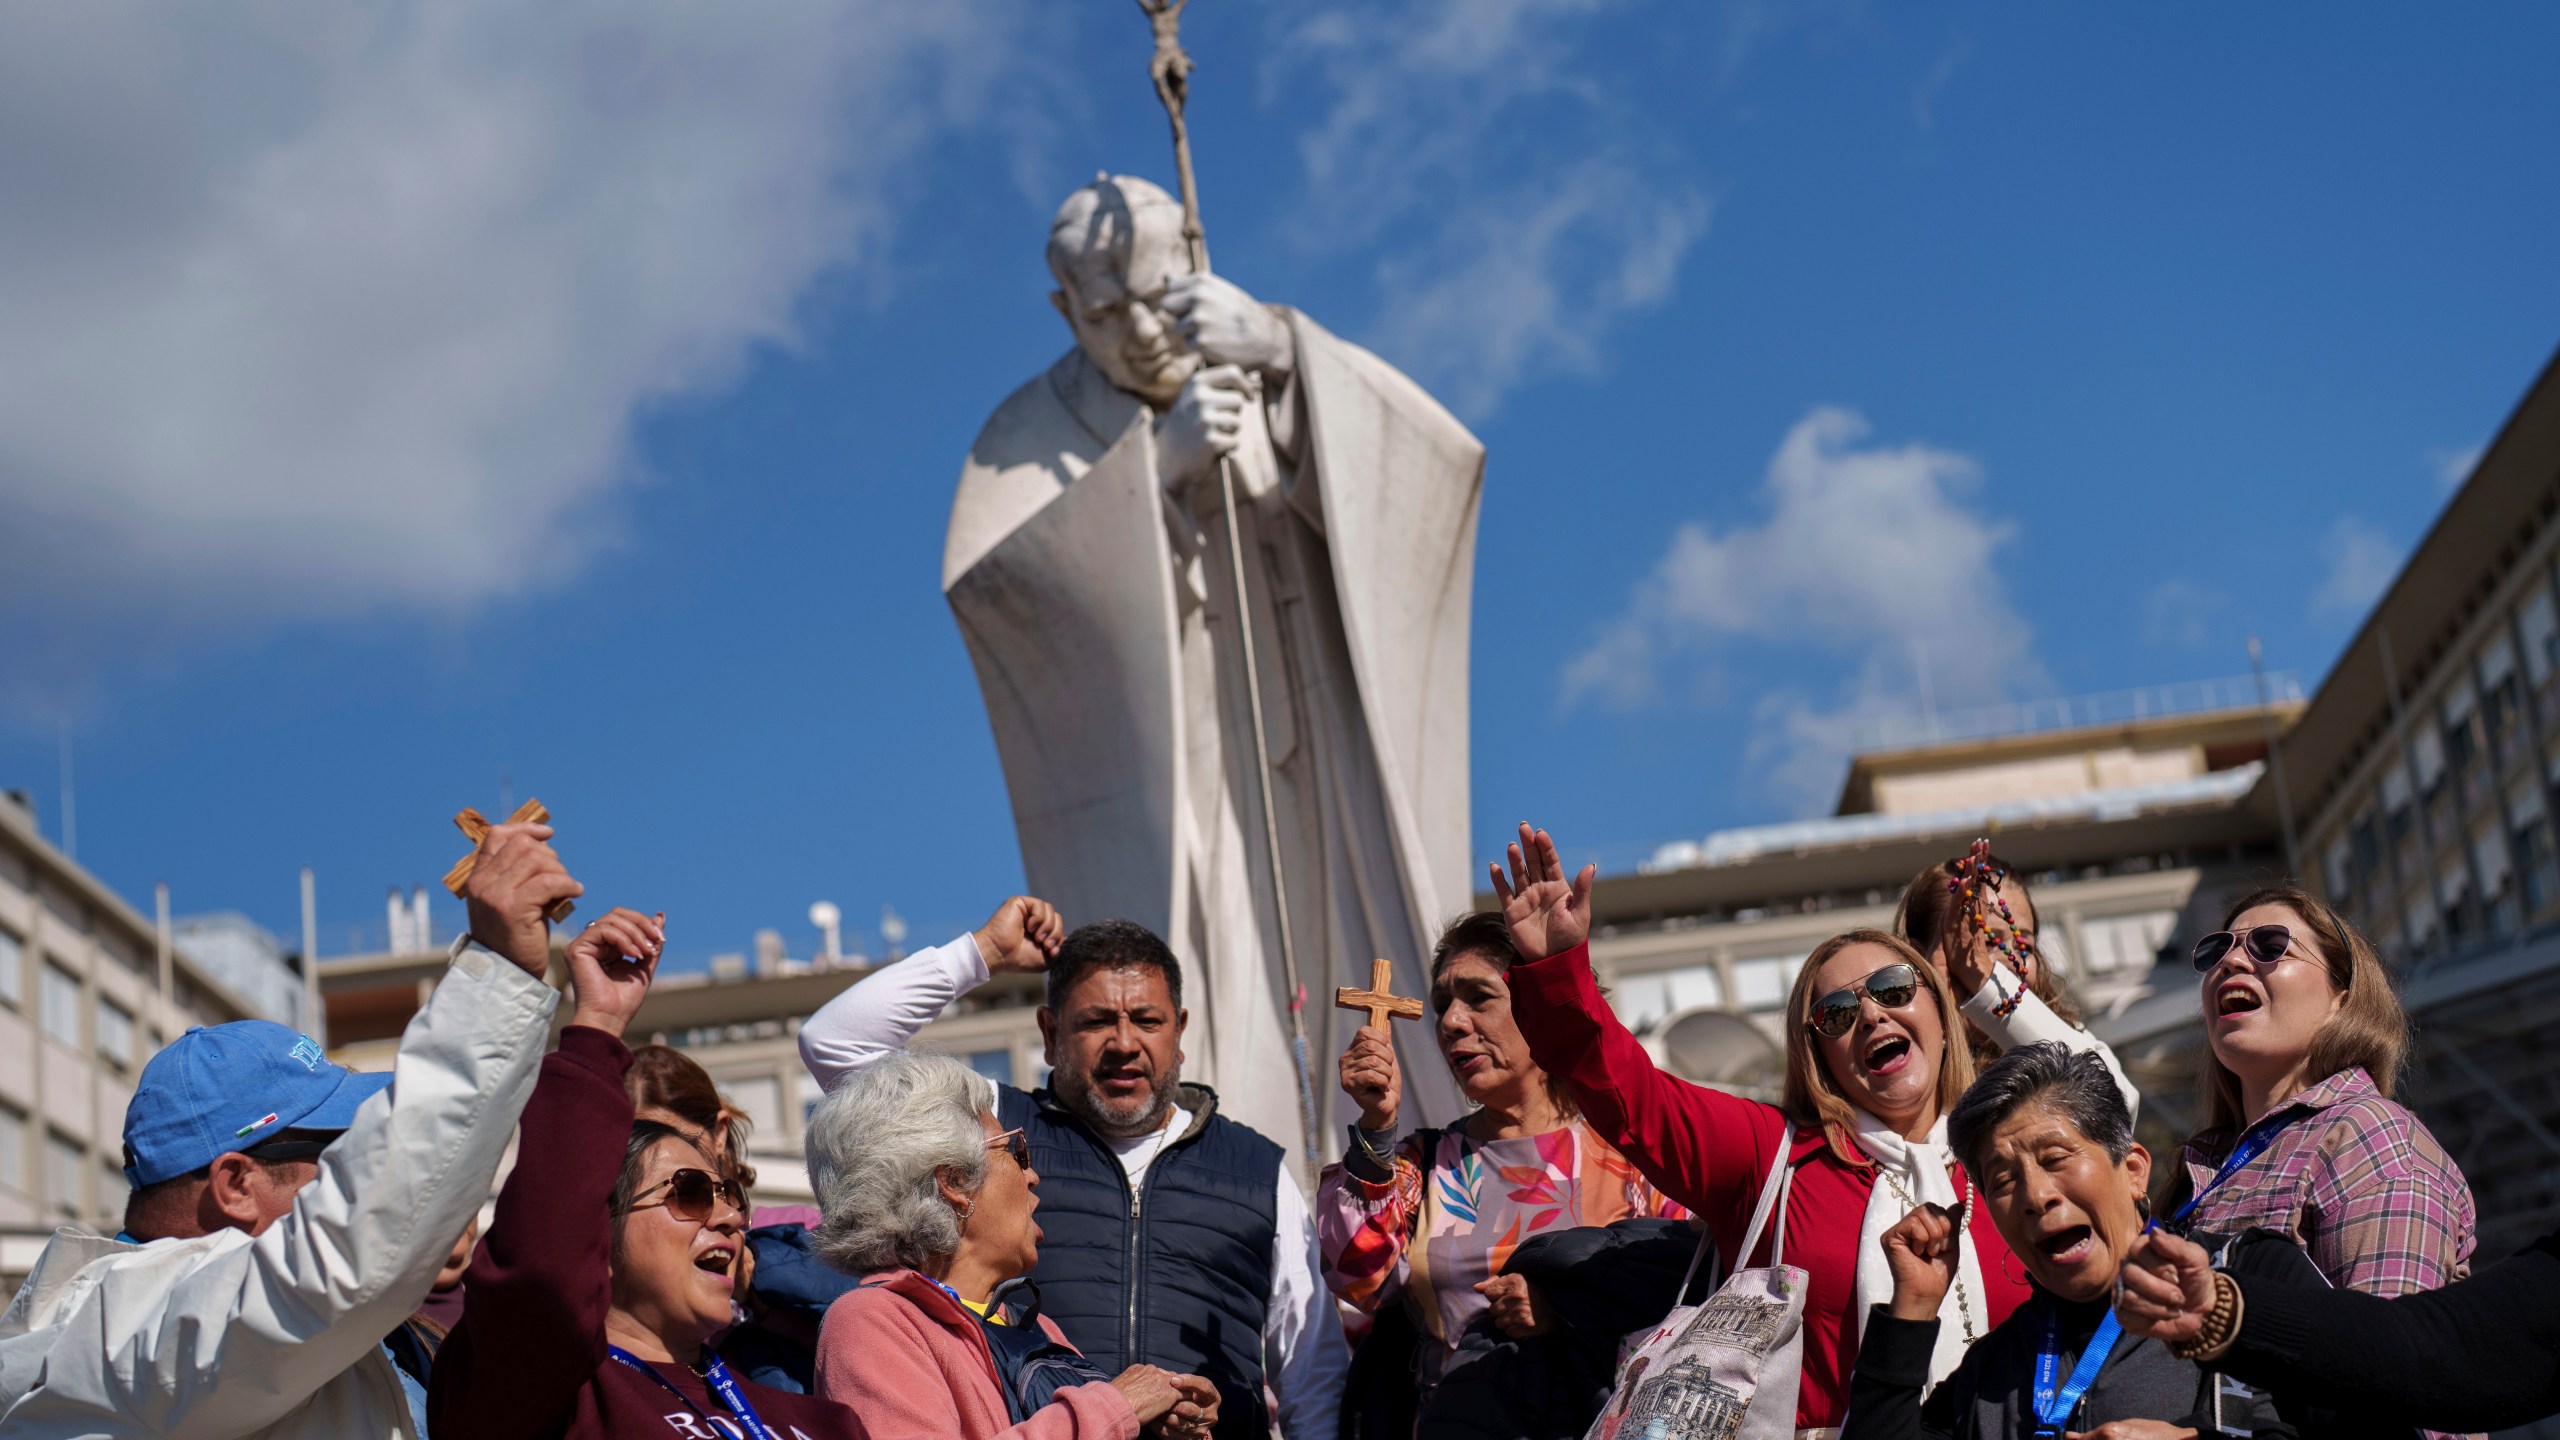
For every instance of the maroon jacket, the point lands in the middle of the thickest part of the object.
(528, 1361)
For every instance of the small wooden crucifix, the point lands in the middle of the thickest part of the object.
(1380, 999)
(475, 827)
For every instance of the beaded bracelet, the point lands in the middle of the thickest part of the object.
(2221, 1324)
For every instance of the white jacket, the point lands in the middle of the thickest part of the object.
(281, 1335)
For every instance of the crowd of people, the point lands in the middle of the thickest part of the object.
(1943, 1226)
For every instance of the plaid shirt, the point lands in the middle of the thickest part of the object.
(2357, 1182)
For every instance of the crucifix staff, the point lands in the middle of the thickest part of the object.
(1170, 68)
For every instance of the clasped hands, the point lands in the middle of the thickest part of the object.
(1238, 341)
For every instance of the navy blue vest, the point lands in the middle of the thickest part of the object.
(1177, 1274)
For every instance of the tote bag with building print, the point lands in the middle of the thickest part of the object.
(1726, 1369)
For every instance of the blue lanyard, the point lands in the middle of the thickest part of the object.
(2251, 1146)
(723, 1384)
(2052, 1407)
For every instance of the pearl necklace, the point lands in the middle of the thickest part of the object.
(1910, 1202)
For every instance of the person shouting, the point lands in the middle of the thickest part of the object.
(1875, 1059)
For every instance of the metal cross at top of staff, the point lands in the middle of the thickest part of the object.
(1171, 70)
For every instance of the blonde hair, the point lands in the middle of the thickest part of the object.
(2370, 1032)
(1812, 1096)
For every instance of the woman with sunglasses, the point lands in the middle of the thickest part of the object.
(591, 1306)
(1873, 1066)
(2304, 1042)
(926, 1199)
(1974, 919)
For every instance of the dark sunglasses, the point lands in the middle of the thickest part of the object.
(691, 1195)
(1016, 1144)
(2265, 944)
(1891, 987)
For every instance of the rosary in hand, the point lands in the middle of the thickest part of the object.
(1976, 883)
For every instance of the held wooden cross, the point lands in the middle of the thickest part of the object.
(1380, 999)
(475, 827)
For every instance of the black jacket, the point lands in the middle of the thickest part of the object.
(1600, 1283)
(2479, 1354)
(1991, 1394)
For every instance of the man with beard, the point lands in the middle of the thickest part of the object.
(1170, 1235)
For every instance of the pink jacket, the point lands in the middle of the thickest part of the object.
(913, 1365)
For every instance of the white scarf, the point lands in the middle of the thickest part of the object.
(1921, 1169)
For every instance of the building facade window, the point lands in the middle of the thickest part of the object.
(1761, 983)
(2125, 942)
(115, 1033)
(63, 1163)
(13, 969)
(1645, 1001)
(13, 1149)
(996, 1065)
(61, 1004)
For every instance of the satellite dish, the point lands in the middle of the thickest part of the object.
(893, 928)
(825, 915)
(1715, 1047)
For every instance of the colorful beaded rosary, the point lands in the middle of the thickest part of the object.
(1976, 883)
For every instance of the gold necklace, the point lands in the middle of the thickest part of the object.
(1964, 1306)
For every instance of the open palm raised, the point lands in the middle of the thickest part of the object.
(1547, 913)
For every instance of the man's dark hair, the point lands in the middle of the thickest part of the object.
(2076, 1083)
(1110, 945)
(147, 1208)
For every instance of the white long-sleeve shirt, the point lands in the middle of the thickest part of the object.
(279, 1335)
(1303, 1351)
(2033, 1021)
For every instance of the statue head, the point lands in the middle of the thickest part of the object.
(1115, 245)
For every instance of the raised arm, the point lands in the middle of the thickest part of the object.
(308, 1297)
(1703, 1148)
(882, 1013)
(533, 1318)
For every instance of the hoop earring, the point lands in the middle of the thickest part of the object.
(2007, 1258)
(964, 1214)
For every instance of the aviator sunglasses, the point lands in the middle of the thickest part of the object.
(1891, 987)
(2265, 944)
(691, 1194)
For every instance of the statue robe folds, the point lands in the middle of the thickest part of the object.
(1100, 612)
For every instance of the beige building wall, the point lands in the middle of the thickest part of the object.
(84, 1001)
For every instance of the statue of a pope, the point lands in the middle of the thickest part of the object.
(1088, 566)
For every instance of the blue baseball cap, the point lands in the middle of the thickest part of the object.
(233, 1087)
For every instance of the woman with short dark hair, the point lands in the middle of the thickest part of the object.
(1429, 1223)
(2050, 1145)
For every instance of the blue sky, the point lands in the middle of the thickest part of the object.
(407, 407)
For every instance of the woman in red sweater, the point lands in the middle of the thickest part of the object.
(590, 1308)
(1871, 1076)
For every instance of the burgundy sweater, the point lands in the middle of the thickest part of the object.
(528, 1361)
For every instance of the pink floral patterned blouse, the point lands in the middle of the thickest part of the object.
(1441, 1226)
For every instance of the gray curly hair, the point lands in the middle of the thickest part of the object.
(876, 1146)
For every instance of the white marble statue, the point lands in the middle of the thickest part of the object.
(1088, 566)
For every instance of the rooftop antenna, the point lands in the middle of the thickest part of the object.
(893, 931)
(830, 923)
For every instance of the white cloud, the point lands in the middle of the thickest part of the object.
(2361, 562)
(2179, 613)
(2453, 465)
(1867, 554)
(1480, 142)
(315, 309)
